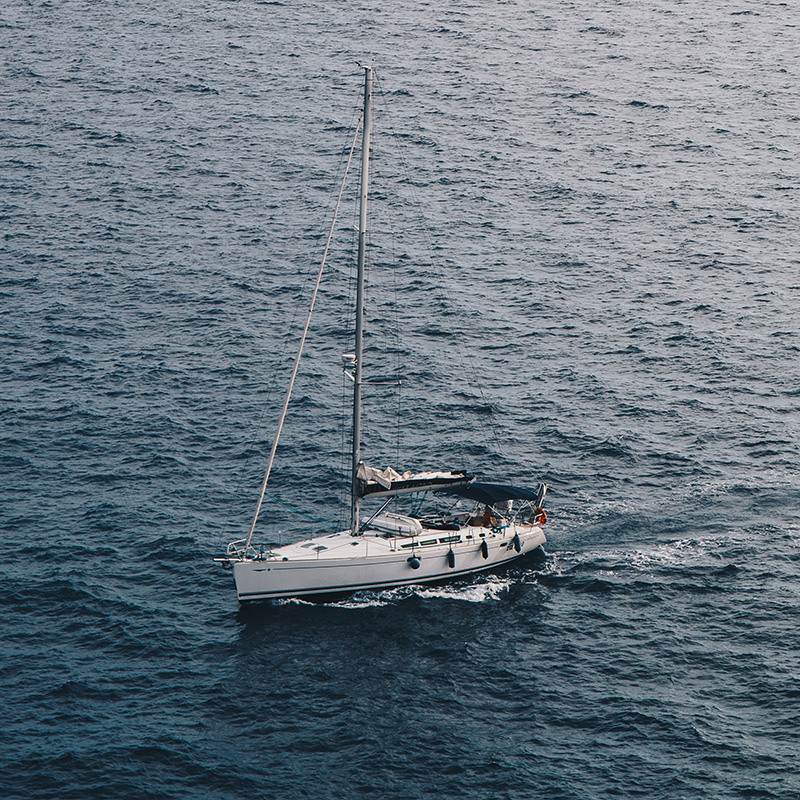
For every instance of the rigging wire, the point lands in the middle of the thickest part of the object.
(344, 159)
(391, 447)
(302, 345)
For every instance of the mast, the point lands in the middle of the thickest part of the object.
(359, 344)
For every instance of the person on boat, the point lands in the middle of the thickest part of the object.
(485, 519)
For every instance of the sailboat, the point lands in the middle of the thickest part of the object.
(385, 548)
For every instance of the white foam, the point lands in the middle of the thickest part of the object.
(683, 552)
(476, 593)
(486, 591)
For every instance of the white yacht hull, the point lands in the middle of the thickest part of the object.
(340, 564)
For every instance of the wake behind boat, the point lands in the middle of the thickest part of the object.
(437, 540)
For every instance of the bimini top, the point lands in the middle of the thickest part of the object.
(490, 493)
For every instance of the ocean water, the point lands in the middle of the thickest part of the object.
(584, 266)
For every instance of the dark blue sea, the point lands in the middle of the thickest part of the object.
(584, 268)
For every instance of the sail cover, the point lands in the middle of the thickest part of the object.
(490, 493)
(388, 482)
